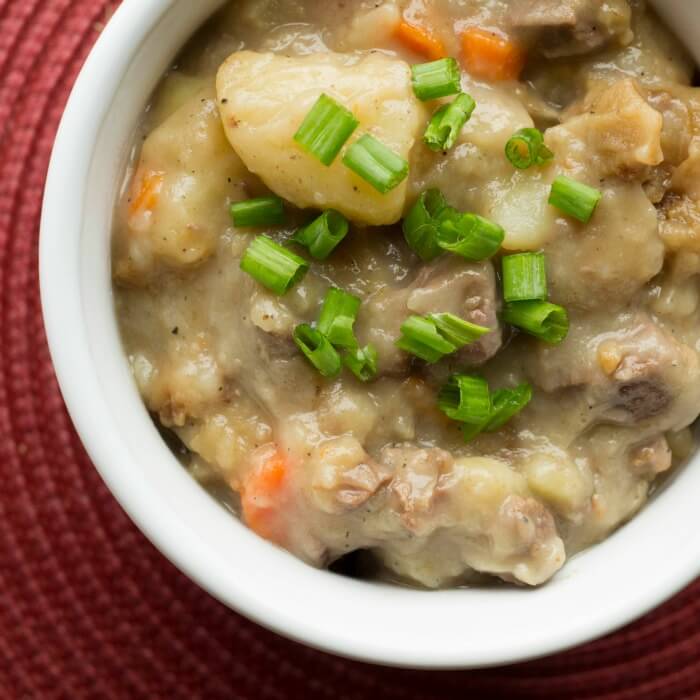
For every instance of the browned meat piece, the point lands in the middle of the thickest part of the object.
(343, 475)
(528, 523)
(573, 27)
(416, 474)
(449, 285)
(651, 458)
(628, 370)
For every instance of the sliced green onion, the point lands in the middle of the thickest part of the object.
(447, 122)
(506, 403)
(574, 198)
(421, 338)
(323, 234)
(436, 79)
(526, 148)
(362, 362)
(325, 129)
(524, 277)
(376, 164)
(338, 318)
(273, 266)
(546, 321)
(471, 236)
(466, 398)
(456, 330)
(262, 211)
(318, 350)
(421, 225)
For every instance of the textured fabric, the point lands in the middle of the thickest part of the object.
(88, 608)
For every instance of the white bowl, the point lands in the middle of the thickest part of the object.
(637, 568)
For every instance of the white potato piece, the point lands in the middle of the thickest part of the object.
(177, 205)
(264, 98)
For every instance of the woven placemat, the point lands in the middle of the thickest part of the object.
(88, 608)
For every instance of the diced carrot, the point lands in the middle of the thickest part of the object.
(263, 493)
(145, 190)
(420, 41)
(491, 55)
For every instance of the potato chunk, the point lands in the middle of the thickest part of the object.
(264, 98)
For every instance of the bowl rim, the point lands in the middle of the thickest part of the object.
(63, 306)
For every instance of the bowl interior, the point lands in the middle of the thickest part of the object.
(635, 569)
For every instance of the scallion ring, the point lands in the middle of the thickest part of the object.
(456, 330)
(376, 164)
(261, 211)
(447, 122)
(524, 277)
(420, 337)
(318, 350)
(506, 403)
(325, 129)
(436, 79)
(272, 265)
(574, 198)
(466, 398)
(546, 321)
(362, 362)
(323, 234)
(471, 236)
(422, 223)
(526, 148)
(338, 316)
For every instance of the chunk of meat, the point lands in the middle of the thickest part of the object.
(573, 27)
(619, 134)
(627, 369)
(416, 474)
(484, 521)
(449, 284)
(679, 226)
(177, 205)
(343, 476)
(265, 97)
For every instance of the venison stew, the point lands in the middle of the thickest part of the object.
(413, 286)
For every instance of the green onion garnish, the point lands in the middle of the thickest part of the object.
(456, 330)
(362, 362)
(447, 122)
(421, 225)
(434, 336)
(262, 211)
(323, 234)
(273, 266)
(506, 403)
(466, 398)
(325, 129)
(524, 277)
(420, 337)
(546, 321)
(338, 318)
(574, 198)
(318, 350)
(436, 79)
(526, 148)
(471, 236)
(376, 164)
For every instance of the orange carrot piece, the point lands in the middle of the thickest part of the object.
(145, 191)
(490, 55)
(420, 40)
(262, 494)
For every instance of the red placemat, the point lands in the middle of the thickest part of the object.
(88, 608)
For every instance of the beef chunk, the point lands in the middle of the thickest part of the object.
(627, 369)
(573, 27)
(449, 285)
